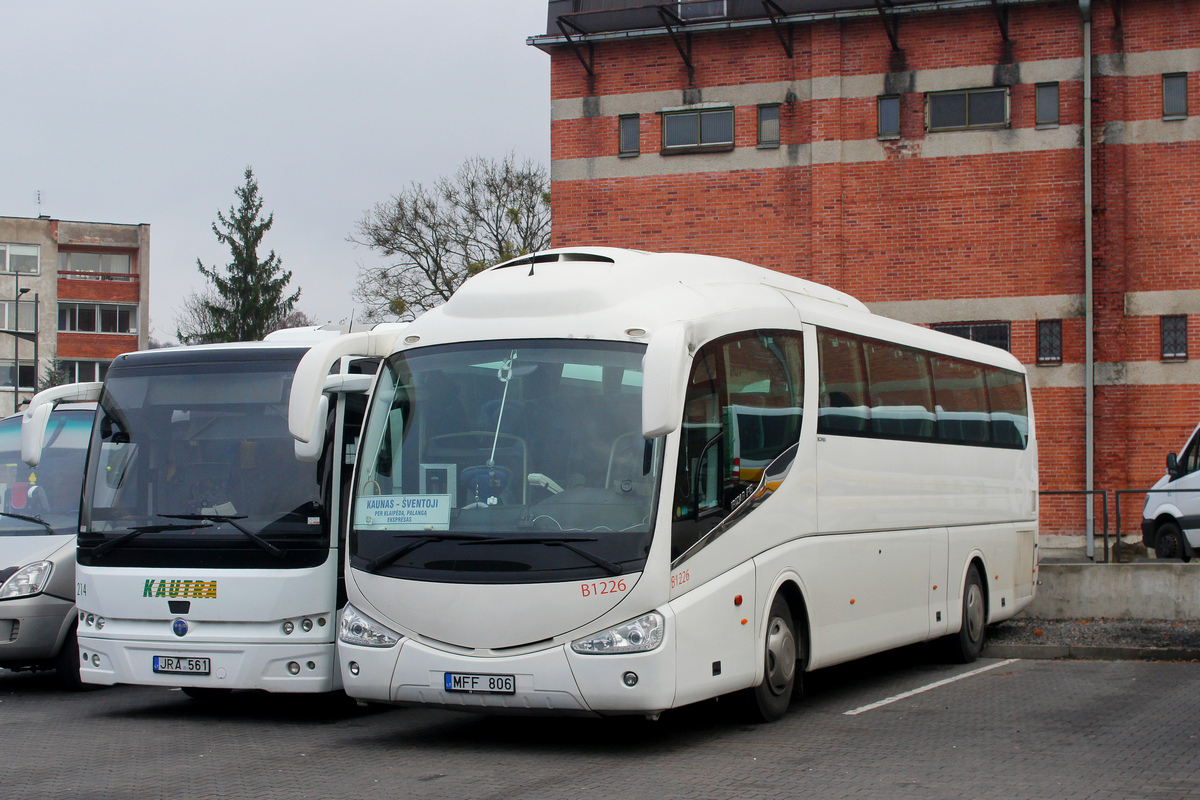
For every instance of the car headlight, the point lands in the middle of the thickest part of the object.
(636, 636)
(28, 580)
(356, 627)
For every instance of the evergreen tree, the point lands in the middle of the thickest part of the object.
(248, 300)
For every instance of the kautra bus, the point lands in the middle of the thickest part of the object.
(209, 546)
(601, 481)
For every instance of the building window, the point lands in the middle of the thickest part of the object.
(1173, 334)
(1047, 105)
(993, 333)
(19, 258)
(768, 126)
(27, 375)
(95, 266)
(1049, 341)
(701, 9)
(703, 128)
(84, 371)
(630, 135)
(1175, 104)
(889, 117)
(97, 318)
(974, 108)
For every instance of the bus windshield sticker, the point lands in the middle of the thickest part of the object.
(404, 512)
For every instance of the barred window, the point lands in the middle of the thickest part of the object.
(1049, 341)
(1173, 333)
(630, 135)
(768, 126)
(889, 117)
(977, 108)
(993, 333)
(1174, 96)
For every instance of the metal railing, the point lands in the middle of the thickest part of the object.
(1104, 506)
(77, 275)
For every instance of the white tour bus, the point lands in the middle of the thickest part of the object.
(588, 484)
(208, 548)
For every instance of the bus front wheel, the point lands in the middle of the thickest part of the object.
(966, 645)
(769, 700)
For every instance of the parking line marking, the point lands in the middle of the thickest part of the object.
(901, 696)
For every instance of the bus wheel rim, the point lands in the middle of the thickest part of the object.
(974, 612)
(781, 655)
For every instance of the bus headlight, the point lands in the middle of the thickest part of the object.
(357, 628)
(636, 636)
(28, 580)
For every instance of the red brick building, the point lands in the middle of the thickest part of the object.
(933, 159)
(73, 295)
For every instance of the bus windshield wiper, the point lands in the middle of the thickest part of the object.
(133, 533)
(419, 540)
(27, 518)
(278, 552)
(599, 561)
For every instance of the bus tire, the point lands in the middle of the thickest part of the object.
(1169, 542)
(769, 700)
(966, 645)
(66, 664)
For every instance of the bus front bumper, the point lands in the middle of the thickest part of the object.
(243, 665)
(555, 680)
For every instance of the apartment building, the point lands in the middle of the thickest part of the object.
(73, 295)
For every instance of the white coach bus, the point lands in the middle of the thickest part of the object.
(208, 548)
(601, 481)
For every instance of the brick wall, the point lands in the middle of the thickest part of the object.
(932, 216)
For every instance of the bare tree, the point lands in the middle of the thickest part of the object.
(487, 212)
(194, 324)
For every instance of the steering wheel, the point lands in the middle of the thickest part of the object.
(483, 483)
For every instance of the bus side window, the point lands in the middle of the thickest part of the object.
(845, 407)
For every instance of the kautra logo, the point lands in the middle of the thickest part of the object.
(173, 588)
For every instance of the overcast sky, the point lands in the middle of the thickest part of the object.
(150, 111)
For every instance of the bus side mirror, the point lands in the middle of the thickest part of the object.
(308, 384)
(310, 451)
(1173, 465)
(36, 416)
(664, 378)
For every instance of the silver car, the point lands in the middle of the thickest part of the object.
(39, 516)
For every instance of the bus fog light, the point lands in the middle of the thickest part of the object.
(99, 623)
(630, 679)
(321, 621)
(353, 667)
(91, 620)
(357, 628)
(95, 660)
(636, 636)
(306, 625)
(293, 668)
(288, 627)
(311, 665)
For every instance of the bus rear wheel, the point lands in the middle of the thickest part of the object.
(782, 666)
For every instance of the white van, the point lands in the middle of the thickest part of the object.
(1171, 519)
(39, 515)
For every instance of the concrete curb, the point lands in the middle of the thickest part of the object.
(1090, 652)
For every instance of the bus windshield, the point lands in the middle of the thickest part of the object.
(191, 463)
(509, 461)
(43, 500)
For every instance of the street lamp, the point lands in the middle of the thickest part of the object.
(16, 373)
